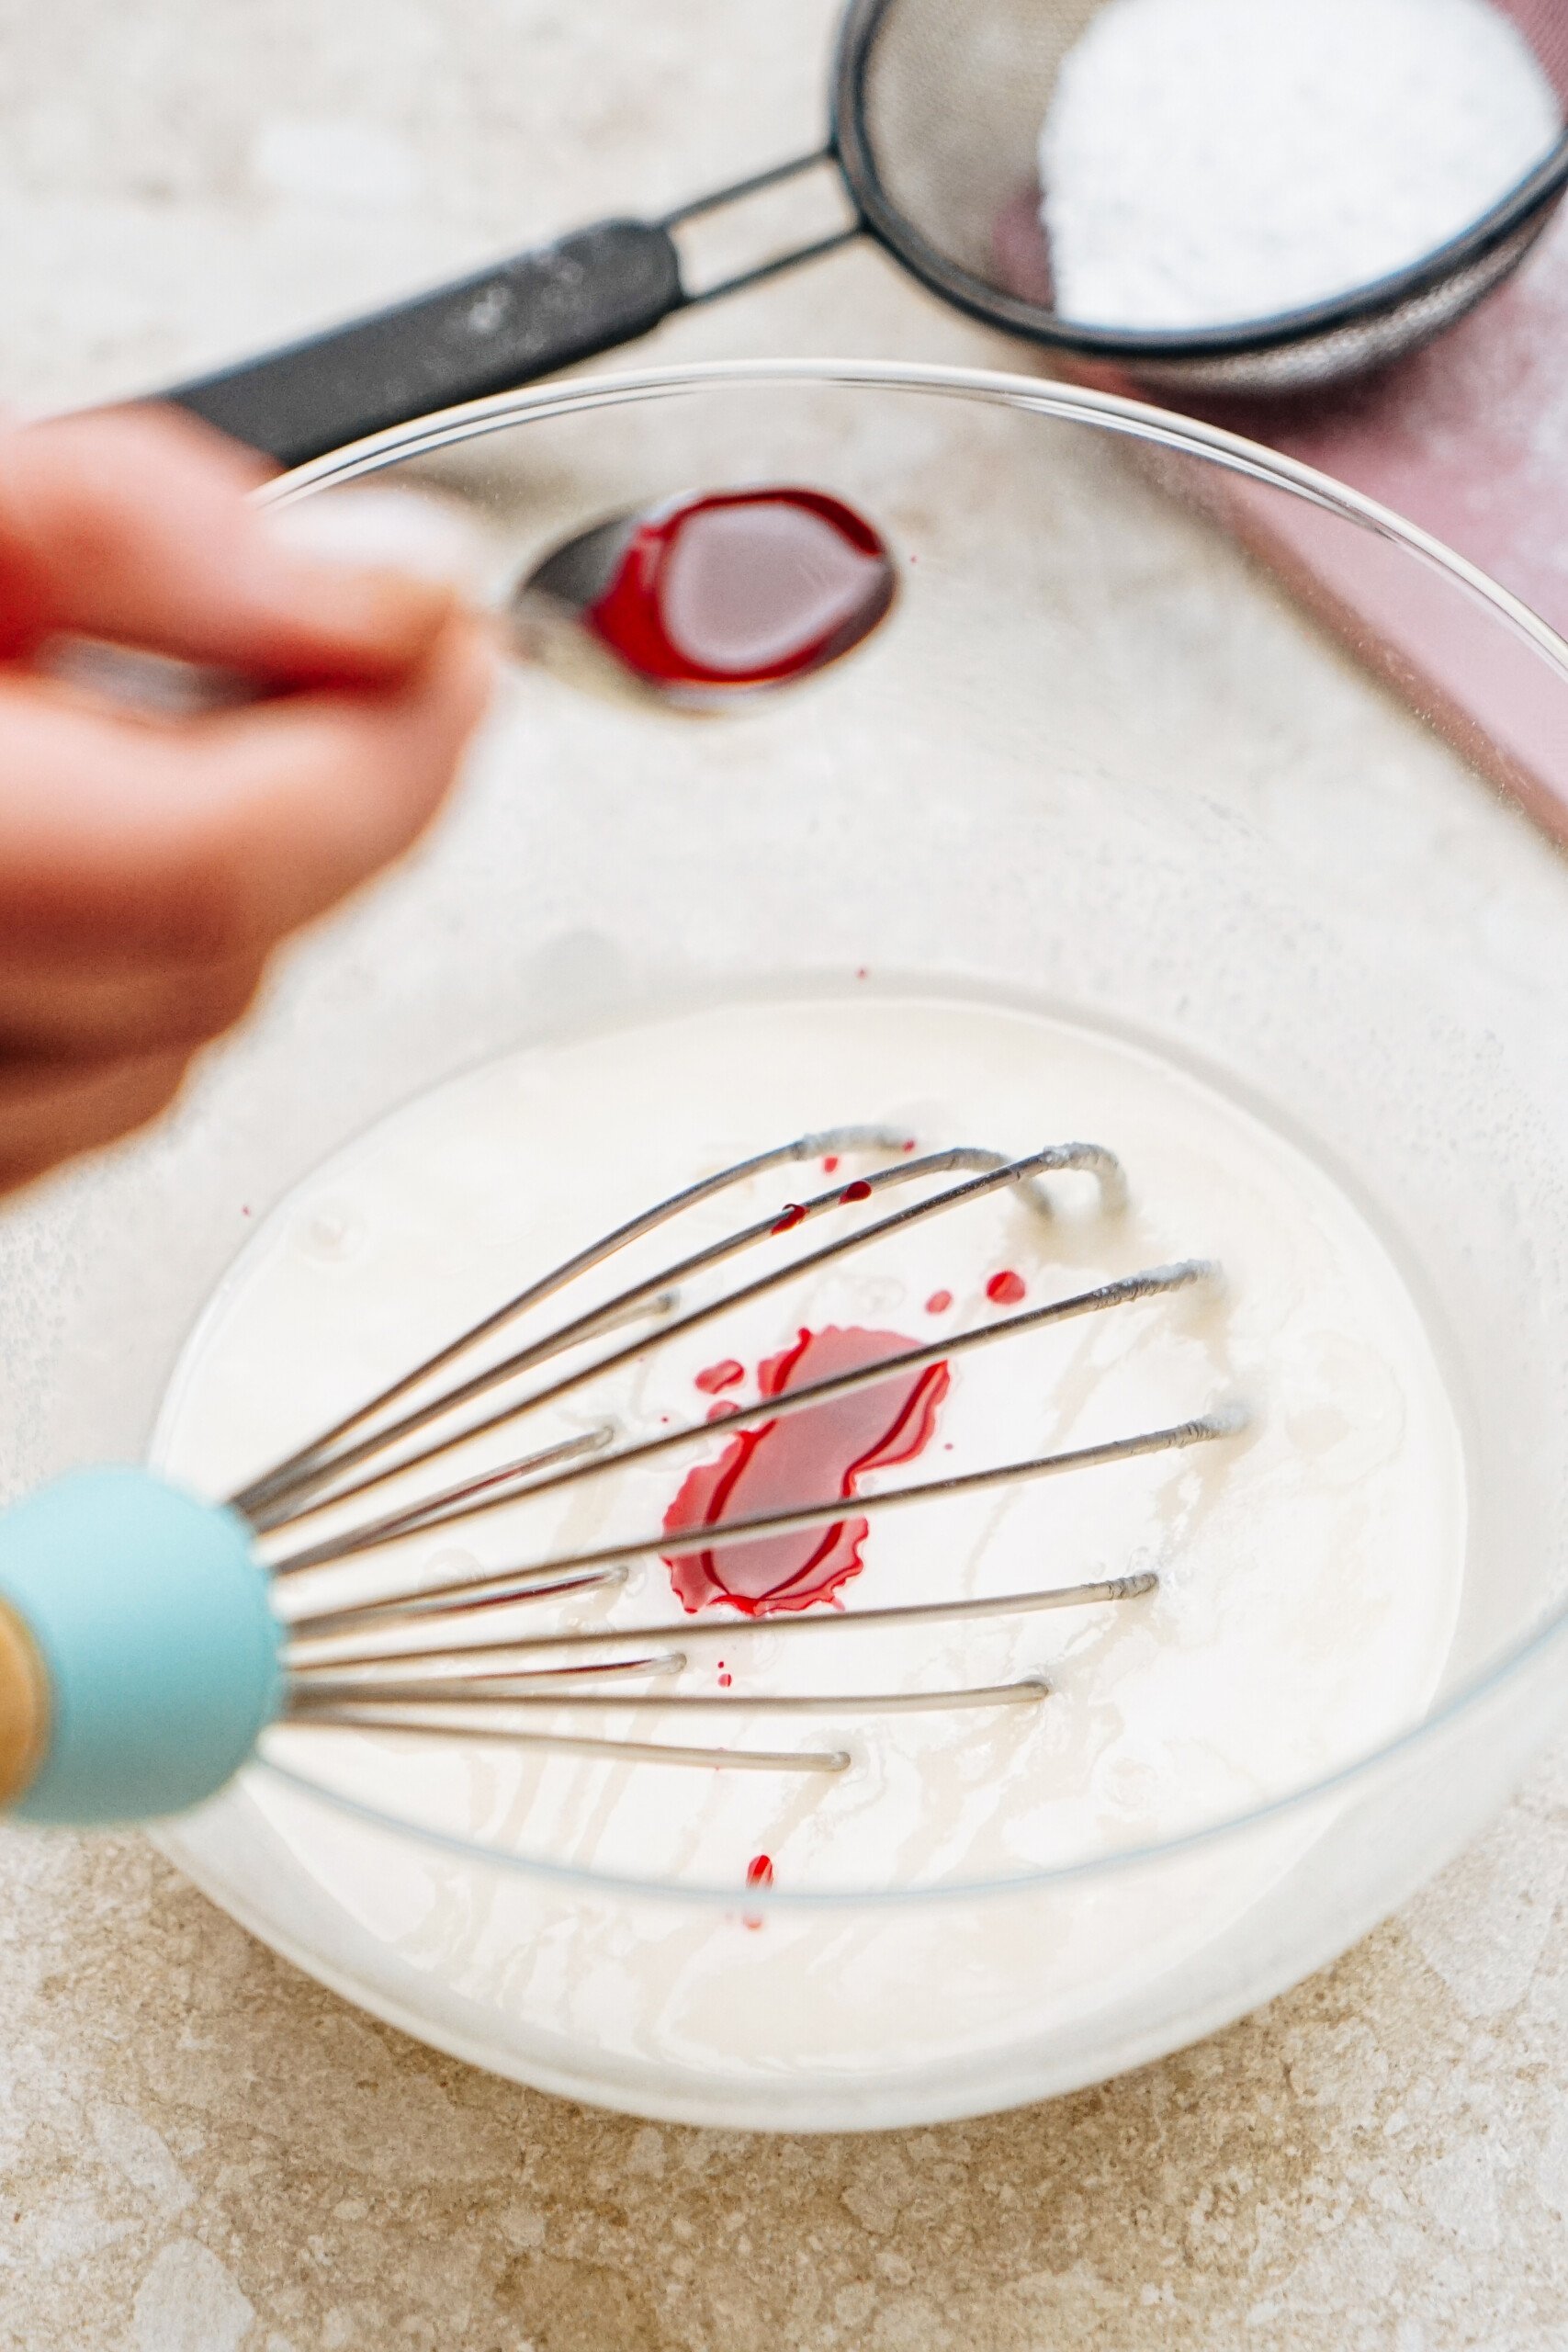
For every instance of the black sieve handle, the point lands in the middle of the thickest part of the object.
(504, 325)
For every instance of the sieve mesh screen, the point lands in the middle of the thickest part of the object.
(937, 117)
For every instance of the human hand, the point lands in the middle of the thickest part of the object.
(149, 866)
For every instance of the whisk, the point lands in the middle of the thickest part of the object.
(148, 1638)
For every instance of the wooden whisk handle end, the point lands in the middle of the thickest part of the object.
(23, 1708)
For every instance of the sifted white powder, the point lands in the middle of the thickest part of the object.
(1210, 161)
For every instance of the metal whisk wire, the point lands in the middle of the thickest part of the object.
(279, 1497)
(343, 1672)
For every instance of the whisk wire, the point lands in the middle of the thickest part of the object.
(250, 1499)
(1130, 1288)
(344, 1666)
(297, 1501)
(1131, 1586)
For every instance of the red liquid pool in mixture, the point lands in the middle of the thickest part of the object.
(742, 588)
(812, 1456)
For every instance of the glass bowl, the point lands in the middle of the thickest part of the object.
(1101, 760)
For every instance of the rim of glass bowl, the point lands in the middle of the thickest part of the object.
(1104, 411)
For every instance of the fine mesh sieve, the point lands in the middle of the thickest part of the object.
(937, 116)
(936, 112)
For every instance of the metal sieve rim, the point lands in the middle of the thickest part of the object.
(851, 144)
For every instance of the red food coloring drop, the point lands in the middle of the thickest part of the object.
(792, 1216)
(859, 1191)
(759, 1873)
(724, 1408)
(1005, 1289)
(907, 1146)
(737, 588)
(939, 1302)
(815, 1455)
(723, 1374)
(829, 1163)
(725, 1677)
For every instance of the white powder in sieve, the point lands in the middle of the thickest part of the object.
(1210, 161)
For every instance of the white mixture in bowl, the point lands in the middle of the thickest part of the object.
(1309, 1570)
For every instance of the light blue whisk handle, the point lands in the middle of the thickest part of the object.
(159, 1652)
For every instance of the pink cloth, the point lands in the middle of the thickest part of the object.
(1467, 437)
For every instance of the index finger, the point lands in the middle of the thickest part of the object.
(139, 524)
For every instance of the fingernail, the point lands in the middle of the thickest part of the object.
(142, 684)
(435, 540)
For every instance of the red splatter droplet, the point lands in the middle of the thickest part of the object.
(859, 1191)
(724, 1678)
(792, 1216)
(907, 1146)
(811, 1457)
(939, 1302)
(723, 1374)
(724, 1408)
(862, 973)
(1005, 1289)
(759, 1873)
(245, 1212)
(829, 1163)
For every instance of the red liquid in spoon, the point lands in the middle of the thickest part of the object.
(811, 1457)
(744, 588)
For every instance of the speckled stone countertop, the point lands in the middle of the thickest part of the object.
(202, 2151)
